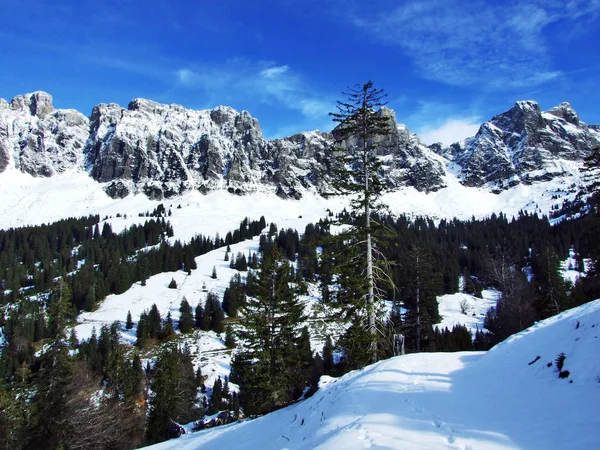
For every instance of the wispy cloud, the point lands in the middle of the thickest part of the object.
(262, 81)
(496, 45)
(437, 121)
(450, 131)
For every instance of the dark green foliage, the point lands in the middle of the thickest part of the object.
(214, 273)
(355, 345)
(172, 284)
(217, 401)
(551, 296)
(268, 369)
(167, 330)
(456, 340)
(234, 296)
(198, 314)
(229, 338)
(482, 340)
(174, 386)
(186, 318)
(212, 314)
(33, 257)
(240, 263)
(129, 321)
(355, 166)
(149, 327)
(419, 290)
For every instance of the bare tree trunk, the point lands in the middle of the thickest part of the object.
(370, 282)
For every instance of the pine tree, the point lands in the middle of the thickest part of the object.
(356, 168)
(549, 284)
(229, 338)
(265, 370)
(59, 309)
(174, 387)
(214, 273)
(168, 330)
(422, 286)
(186, 319)
(198, 314)
(129, 321)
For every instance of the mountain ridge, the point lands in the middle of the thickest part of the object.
(163, 150)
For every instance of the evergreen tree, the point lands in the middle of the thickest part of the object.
(168, 330)
(214, 273)
(198, 314)
(229, 338)
(186, 319)
(356, 168)
(174, 387)
(59, 309)
(549, 284)
(129, 321)
(419, 292)
(265, 370)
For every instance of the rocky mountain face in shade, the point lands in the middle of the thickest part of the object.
(163, 150)
(522, 145)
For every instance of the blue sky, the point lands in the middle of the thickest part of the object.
(446, 65)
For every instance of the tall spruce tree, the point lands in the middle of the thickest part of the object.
(186, 317)
(549, 284)
(174, 387)
(266, 369)
(356, 168)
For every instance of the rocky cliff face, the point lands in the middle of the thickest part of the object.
(39, 140)
(523, 145)
(162, 150)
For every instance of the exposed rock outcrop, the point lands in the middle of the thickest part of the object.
(523, 145)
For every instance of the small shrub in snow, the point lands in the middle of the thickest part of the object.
(464, 306)
(173, 284)
(560, 361)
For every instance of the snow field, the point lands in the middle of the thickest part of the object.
(465, 400)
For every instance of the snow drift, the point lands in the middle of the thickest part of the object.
(509, 397)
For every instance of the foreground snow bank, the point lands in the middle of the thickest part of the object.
(505, 398)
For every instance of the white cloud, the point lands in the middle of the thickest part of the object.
(274, 72)
(450, 131)
(262, 81)
(495, 45)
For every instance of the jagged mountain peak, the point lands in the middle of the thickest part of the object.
(38, 103)
(565, 111)
(523, 145)
(163, 149)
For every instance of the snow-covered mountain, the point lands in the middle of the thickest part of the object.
(510, 397)
(523, 145)
(164, 150)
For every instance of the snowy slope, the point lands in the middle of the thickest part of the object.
(450, 307)
(207, 348)
(26, 200)
(494, 400)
